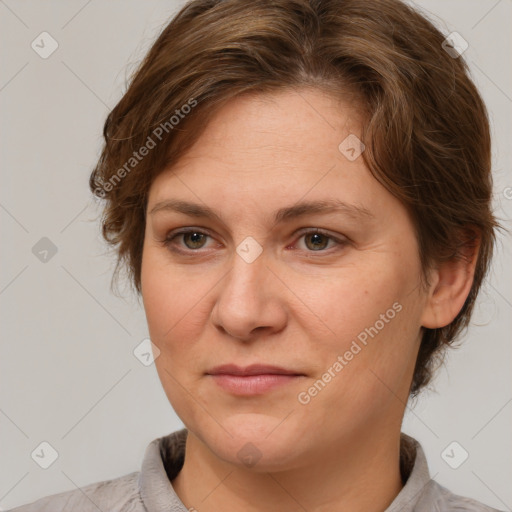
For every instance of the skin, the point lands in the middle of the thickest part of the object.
(293, 306)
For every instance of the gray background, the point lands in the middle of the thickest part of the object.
(69, 376)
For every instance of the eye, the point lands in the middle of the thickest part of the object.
(318, 240)
(193, 239)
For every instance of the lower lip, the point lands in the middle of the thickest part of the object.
(252, 384)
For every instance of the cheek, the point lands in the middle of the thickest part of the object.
(372, 314)
(169, 295)
(353, 301)
(172, 303)
(177, 307)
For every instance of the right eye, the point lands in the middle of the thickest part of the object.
(193, 239)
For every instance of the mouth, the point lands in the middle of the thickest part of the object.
(252, 380)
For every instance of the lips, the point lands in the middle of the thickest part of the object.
(252, 380)
(254, 369)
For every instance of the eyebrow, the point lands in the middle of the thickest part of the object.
(301, 209)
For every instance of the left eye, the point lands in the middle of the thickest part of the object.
(317, 240)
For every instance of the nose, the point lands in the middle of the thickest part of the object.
(251, 300)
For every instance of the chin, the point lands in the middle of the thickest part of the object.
(257, 442)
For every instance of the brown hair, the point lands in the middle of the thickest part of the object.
(426, 128)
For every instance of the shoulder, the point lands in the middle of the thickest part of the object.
(423, 494)
(116, 495)
(437, 498)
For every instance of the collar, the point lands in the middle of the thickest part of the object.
(164, 458)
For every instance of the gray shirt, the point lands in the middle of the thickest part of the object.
(150, 489)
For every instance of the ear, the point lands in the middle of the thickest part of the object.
(450, 284)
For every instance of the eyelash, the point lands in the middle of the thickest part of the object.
(168, 241)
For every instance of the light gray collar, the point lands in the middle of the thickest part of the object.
(158, 494)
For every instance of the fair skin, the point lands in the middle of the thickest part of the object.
(298, 305)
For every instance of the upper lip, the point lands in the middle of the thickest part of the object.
(253, 369)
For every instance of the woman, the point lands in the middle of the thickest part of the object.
(300, 191)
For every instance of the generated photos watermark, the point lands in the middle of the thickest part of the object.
(151, 142)
(305, 397)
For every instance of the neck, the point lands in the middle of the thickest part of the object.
(363, 475)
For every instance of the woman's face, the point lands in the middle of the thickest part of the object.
(277, 342)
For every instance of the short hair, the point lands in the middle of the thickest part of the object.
(425, 126)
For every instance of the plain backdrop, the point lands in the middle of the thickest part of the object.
(68, 373)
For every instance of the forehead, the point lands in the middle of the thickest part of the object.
(293, 119)
(289, 132)
(267, 151)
